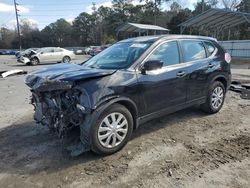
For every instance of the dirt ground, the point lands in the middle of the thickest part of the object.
(185, 149)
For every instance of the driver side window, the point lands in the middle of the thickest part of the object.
(168, 53)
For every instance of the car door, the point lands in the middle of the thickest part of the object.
(46, 55)
(58, 54)
(164, 88)
(198, 68)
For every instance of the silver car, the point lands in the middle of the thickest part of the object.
(50, 54)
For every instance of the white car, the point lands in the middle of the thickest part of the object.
(48, 55)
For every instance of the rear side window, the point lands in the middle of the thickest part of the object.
(58, 50)
(210, 48)
(192, 50)
(168, 53)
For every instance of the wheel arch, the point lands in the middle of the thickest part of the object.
(36, 57)
(222, 79)
(66, 56)
(126, 102)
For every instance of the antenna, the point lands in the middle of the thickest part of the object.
(18, 26)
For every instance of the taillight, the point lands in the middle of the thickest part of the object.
(228, 57)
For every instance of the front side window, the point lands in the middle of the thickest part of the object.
(118, 56)
(168, 53)
(193, 50)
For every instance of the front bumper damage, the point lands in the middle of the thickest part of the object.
(63, 104)
(61, 108)
(24, 60)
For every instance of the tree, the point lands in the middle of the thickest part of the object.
(203, 6)
(231, 4)
(244, 6)
(29, 30)
(175, 7)
(182, 16)
(58, 33)
(100, 27)
(82, 28)
(6, 38)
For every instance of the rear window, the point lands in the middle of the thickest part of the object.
(210, 48)
(193, 50)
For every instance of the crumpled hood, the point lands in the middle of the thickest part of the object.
(62, 76)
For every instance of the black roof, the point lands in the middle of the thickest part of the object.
(154, 38)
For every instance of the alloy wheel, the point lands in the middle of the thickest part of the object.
(66, 59)
(217, 97)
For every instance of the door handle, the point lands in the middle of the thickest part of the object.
(210, 65)
(181, 74)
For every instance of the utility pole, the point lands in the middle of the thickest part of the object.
(155, 7)
(203, 5)
(18, 26)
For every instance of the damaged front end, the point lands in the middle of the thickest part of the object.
(60, 106)
(63, 100)
(58, 109)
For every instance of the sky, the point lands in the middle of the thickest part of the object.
(44, 12)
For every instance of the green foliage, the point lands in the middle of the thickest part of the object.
(100, 27)
(181, 16)
(108, 39)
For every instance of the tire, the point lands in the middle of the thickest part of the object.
(100, 130)
(66, 59)
(34, 61)
(209, 106)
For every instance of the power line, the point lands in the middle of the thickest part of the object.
(60, 4)
(43, 15)
(58, 10)
(8, 18)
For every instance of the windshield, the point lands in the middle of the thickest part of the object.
(118, 56)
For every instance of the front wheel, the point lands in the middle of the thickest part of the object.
(34, 61)
(215, 98)
(112, 130)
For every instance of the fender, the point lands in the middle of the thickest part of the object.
(226, 77)
(105, 103)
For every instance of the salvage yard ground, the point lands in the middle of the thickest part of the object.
(185, 149)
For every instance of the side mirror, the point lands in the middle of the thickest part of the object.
(152, 65)
(41, 52)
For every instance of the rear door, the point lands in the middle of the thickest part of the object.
(58, 54)
(163, 88)
(198, 66)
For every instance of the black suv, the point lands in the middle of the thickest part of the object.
(129, 83)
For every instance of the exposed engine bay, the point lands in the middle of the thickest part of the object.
(59, 110)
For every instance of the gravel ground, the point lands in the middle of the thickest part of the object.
(185, 149)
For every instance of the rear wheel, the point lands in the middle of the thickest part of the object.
(215, 98)
(112, 130)
(66, 59)
(34, 61)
